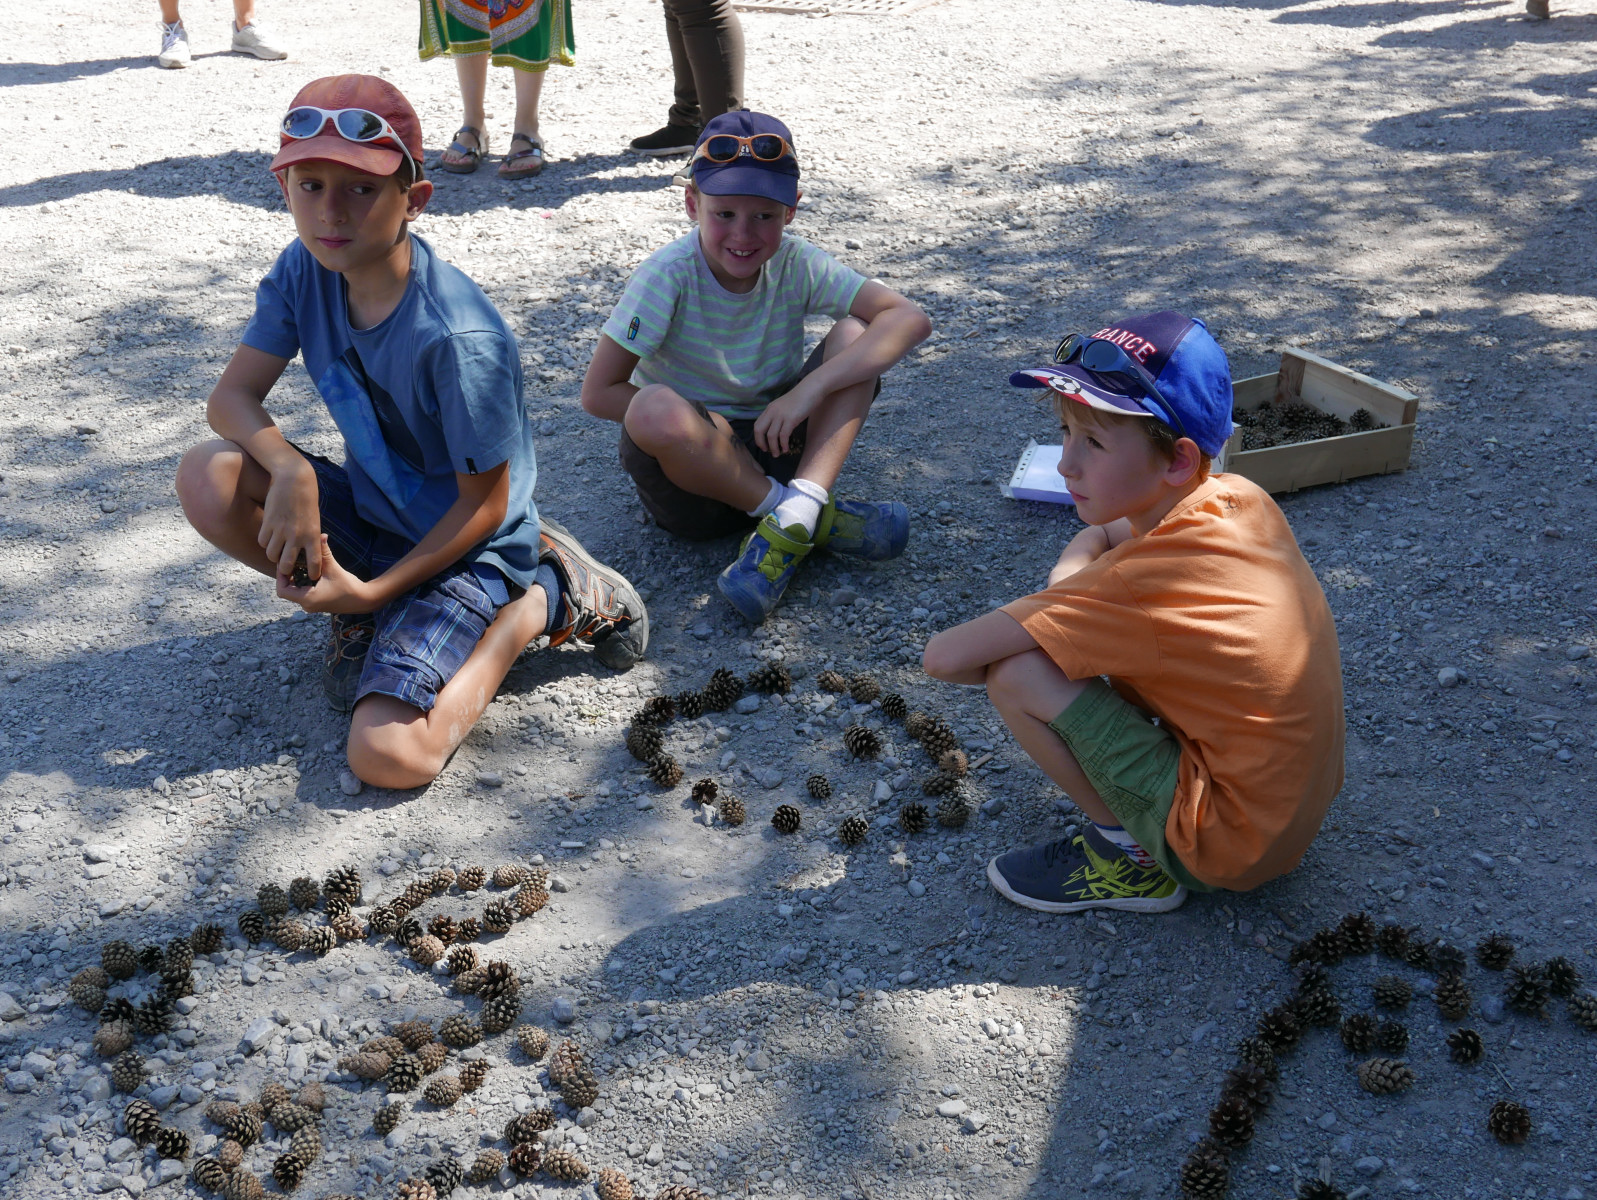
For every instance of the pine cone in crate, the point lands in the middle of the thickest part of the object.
(1583, 1011)
(863, 688)
(459, 1032)
(611, 1184)
(914, 817)
(862, 742)
(1562, 977)
(580, 1090)
(486, 1167)
(404, 1073)
(1382, 1076)
(1528, 989)
(645, 742)
(525, 1127)
(894, 706)
(534, 1042)
(786, 818)
(664, 771)
(1495, 952)
(141, 1120)
(852, 831)
(471, 877)
(1464, 1046)
(657, 710)
(1280, 1028)
(119, 959)
(128, 1071)
(387, 1118)
(1231, 1122)
(831, 681)
(344, 883)
(1452, 997)
(500, 1013)
(1358, 1032)
(1391, 1037)
(1509, 1122)
(525, 1158)
(443, 1091)
(272, 900)
(1206, 1173)
(772, 679)
(498, 916)
(474, 1073)
(564, 1165)
(1392, 940)
(1390, 991)
(690, 705)
(1358, 932)
(732, 809)
(819, 787)
(953, 812)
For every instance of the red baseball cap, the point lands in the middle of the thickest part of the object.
(374, 95)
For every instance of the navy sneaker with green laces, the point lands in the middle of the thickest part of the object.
(870, 529)
(1074, 874)
(755, 582)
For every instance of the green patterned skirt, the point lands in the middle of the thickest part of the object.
(525, 34)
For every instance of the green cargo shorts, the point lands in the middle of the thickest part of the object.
(1132, 762)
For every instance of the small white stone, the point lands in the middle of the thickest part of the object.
(348, 784)
(951, 1108)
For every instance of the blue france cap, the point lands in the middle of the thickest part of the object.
(1186, 363)
(746, 175)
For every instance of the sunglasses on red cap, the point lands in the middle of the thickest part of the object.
(1104, 358)
(352, 124)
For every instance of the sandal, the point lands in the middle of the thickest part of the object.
(522, 164)
(472, 155)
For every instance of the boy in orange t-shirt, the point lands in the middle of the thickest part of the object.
(1210, 756)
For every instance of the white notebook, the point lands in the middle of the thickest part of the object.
(1037, 477)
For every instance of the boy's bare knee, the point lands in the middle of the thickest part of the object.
(658, 416)
(842, 335)
(206, 481)
(383, 757)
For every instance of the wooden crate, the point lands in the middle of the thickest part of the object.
(1334, 389)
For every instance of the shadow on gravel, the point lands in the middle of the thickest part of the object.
(563, 180)
(30, 74)
(239, 175)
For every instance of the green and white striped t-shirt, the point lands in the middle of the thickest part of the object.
(733, 353)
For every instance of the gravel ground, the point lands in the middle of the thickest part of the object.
(1404, 188)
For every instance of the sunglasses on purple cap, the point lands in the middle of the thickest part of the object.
(1104, 358)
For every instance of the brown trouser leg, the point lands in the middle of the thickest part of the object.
(706, 40)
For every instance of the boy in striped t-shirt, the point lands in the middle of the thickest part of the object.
(724, 422)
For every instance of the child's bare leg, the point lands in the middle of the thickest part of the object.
(395, 745)
(698, 456)
(835, 424)
(1029, 691)
(222, 490)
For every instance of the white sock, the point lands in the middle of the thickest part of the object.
(1118, 835)
(772, 498)
(801, 505)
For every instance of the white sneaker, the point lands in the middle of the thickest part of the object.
(252, 39)
(174, 47)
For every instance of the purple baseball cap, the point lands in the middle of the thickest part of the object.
(746, 175)
(1182, 358)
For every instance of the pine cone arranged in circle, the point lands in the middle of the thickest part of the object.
(347, 927)
(1251, 1083)
(1206, 1173)
(154, 1015)
(272, 1094)
(664, 771)
(1358, 1032)
(432, 1056)
(335, 906)
(141, 1120)
(938, 740)
(445, 1175)
(119, 960)
(566, 1062)
(1562, 977)
(498, 916)
(470, 929)
(289, 1171)
(208, 1175)
(468, 981)
(525, 1127)
(863, 688)
(953, 762)
(914, 818)
(1326, 947)
(1509, 1122)
(1495, 952)
(304, 893)
(1392, 940)
(1381, 1076)
(645, 742)
(243, 1127)
(723, 691)
(580, 1090)
(732, 809)
(312, 1096)
(474, 1073)
(441, 880)
(444, 928)
(786, 818)
(1391, 991)
(272, 900)
(417, 892)
(443, 1091)
(1452, 997)
(1320, 1189)
(1358, 932)
(525, 1158)
(939, 784)
(85, 993)
(1447, 959)
(243, 1185)
(128, 1071)
(500, 1013)
(150, 959)
(416, 1189)
(916, 724)
(1231, 1122)
(1583, 1011)
(852, 831)
(387, 1118)
(319, 940)
(366, 1064)
(1259, 1053)
(1391, 1037)
(819, 787)
(404, 1073)
(534, 1042)
(564, 1165)
(206, 938)
(705, 791)
(485, 1168)
(384, 919)
(459, 1032)
(500, 979)
(611, 1184)
(425, 950)
(1465, 1046)
(657, 710)
(1318, 1006)
(772, 679)
(344, 883)
(953, 812)
(831, 681)
(288, 935)
(252, 925)
(118, 1010)
(463, 958)
(217, 1112)
(532, 896)
(1528, 989)
(1280, 1028)
(471, 877)
(895, 706)
(862, 742)
(690, 705)
(1419, 953)
(111, 1040)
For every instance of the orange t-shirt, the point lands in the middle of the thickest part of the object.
(1214, 622)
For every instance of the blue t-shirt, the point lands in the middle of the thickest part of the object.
(432, 390)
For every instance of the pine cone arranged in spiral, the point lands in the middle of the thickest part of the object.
(1448, 959)
(534, 1042)
(894, 706)
(1320, 1189)
(525, 1158)
(953, 812)
(206, 938)
(1528, 989)
(312, 1097)
(150, 959)
(1452, 997)
(831, 681)
(154, 1015)
(500, 1013)
(732, 810)
(1382, 1076)
(344, 883)
(1259, 1053)
(1464, 1046)
(1206, 1173)
(1391, 1037)
(485, 1168)
(243, 1185)
(657, 710)
(1317, 1006)
(417, 892)
(128, 1071)
(1358, 932)
(953, 762)
(786, 818)
(938, 739)
(141, 1120)
(863, 688)
(445, 1175)
(243, 1127)
(1392, 940)
(532, 895)
(1562, 977)
(1231, 1122)
(459, 1031)
(1358, 1032)
(664, 771)
(566, 1061)
(425, 950)
(500, 979)
(471, 877)
(289, 1170)
(1251, 1083)
(916, 724)
(1391, 991)
(914, 817)
(470, 929)
(862, 742)
(272, 900)
(474, 1073)
(366, 1064)
(1509, 1122)
(252, 925)
(387, 1118)
(288, 935)
(611, 1184)
(1280, 1028)
(723, 691)
(498, 916)
(444, 928)
(564, 1165)
(229, 1154)
(384, 919)
(705, 791)
(645, 742)
(690, 705)
(111, 1040)
(1326, 947)
(525, 1127)
(272, 1094)
(416, 1189)
(117, 1010)
(1583, 1011)
(432, 1056)
(404, 1073)
(304, 893)
(1419, 952)
(335, 906)
(441, 880)
(443, 1091)
(819, 787)
(1495, 952)
(85, 992)
(580, 1089)
(852, 831)
(939, 784)
(218, 1112)
(772, 679)
(408, 931)
(208, 1175)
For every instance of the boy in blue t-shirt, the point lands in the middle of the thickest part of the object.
(724, 423)
(425, 545)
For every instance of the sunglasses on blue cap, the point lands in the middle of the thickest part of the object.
(1108, 360)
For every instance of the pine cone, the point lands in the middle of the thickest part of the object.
(732, 810)
(498, 916)
(288, 1117)
(288, 935)
(894, 705)
(252, 924)
(1381, 1076)
(1358, 932)
(404, 1073)
(365, 1065)
(118, 1009)
(128, 1071)
(527, 1126)
(387, 1118)
(86, 994)
(1509, 1122)
(500, 1013)
(289, 1170)
(1320, 1189)
(500, 979)
(474, 1073)
(416, 1189)
(705, 791)
(425, 950)
(852, 831)
(1452, 997)
(1358, 1033)
(445, 1175)
(1392, 940)
(459, 1032)
(111, 1040)
(219, 1111)
(1528, 989)
(463, 958)
(953, 762)
(335, 906)
(938, 740)
(657, 710)
(206, 939)
(154, 1015)
(208, 1175)
(470, 929)
(470, 878)
(304, 893)
(645, 742)
(532, 896)
(1231, 1122)
(1280, 1028)
(141, 1120)
(566, 1062)
(611, 1184)
(243, 1127)
(1327, 947)
(953, 812)
(534, 1042)
(486, 1168)
(786, 818)
(319, 940)
(580, 1090)
(939, 784)
(389, 1044)
(119, 960)
(444, 928)
(916, 724)
(862, 742)
(344, 883)
(1317, 1006)
(417, 892)
(1447, 959)
(1206, 1173)
(690, 705)
(1495, 952)
(863, 688)
(150, 959)
(772, 679)
(1562, 977)
(831, 681)
(723, 690)
(443, 1091)
(1251, 1083)
(679, 1191)
(1583, 1011)
(441, 880)
(347, 927)
(408, 931)
(1390, 991)
(914, 817)
(1391, 1037)
(312, 1096)
(1419, 952)
(432, 1056)
(1465, 1046)
(273, 900)
(230, 1154)
(563, 1164)
(525, 1158)
(664, 771)
(819, 787)
(243, 1185)
(384, 919)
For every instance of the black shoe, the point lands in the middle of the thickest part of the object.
(602, 608)
(668, 139)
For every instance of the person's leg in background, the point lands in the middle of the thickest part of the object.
(706, 41)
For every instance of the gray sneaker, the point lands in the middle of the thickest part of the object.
(347, 644)
(175, 53)
(252, 39)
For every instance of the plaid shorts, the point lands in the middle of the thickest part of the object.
(426, 635)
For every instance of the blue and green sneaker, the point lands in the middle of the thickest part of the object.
(1083, 872)
(871, 529)
(755, 582)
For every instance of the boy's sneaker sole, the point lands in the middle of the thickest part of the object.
(606, 611)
